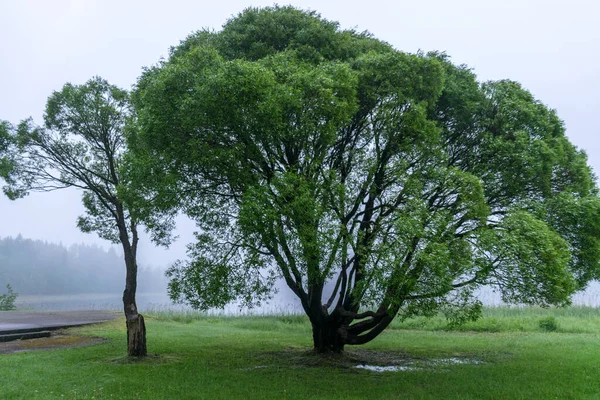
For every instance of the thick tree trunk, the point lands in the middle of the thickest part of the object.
(136, 337)
(136, 328)
(327, 338)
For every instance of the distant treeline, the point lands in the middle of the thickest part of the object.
(38, 267)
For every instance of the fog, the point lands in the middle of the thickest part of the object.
(551, 47)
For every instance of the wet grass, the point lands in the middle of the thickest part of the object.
(197, 357)
(515, 319)
(576, 319)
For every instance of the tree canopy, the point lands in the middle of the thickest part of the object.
(375, 182)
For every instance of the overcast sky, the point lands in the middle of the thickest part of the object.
(551, 47)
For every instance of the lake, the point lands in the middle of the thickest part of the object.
(146, 301)
(285, 304)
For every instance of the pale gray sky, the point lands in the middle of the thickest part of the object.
(551, 46)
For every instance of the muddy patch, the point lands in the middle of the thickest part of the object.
(371, 360)
(58, 340)
(362, 359)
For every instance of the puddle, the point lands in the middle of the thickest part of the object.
(455, 361)
(421, 365)
(388, 368)
(255, 367)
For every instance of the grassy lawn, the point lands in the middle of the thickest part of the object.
(268, 357)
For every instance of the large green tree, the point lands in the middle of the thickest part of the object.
(376, 183)
(82, 146)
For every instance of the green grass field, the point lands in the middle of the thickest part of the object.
(517, 356)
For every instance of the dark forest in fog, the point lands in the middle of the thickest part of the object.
(39, 267)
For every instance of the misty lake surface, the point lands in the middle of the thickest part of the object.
(88, 301)
(146, 302)
(281, 304)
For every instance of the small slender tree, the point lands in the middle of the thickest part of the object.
(82, 146)
(7, 301)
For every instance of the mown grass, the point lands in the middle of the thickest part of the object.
(208, 357)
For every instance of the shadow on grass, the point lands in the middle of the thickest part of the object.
(150, 359)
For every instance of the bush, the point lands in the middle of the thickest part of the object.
(7, 301)
(548, 324)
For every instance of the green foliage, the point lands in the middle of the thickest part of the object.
(5, 137)
(363, 176)
(535, 261)
(548, 324)
(81, 146)
(7, 301)
(7, 150)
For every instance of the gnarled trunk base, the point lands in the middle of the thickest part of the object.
(136, 336)
(327, 338)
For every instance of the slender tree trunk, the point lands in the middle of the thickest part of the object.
(327, 338)
(136, 328)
